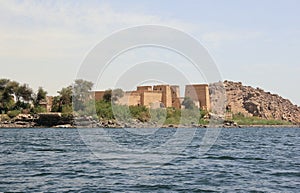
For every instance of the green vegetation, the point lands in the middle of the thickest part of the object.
(41, 96)
(113, 95)
(74, 96)
(240, 119)
(14, 96)
(80, 93)
(188, 103)
(63, 100)
(105, 110)
(38, 109)
(173, 116)
(140, 112)
(13, 113)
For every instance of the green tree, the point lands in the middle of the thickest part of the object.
(6, 102)
(116, 94)
(104, 109)
(56, 107)
(23, 93)
(6, 98)
(113, 95)
(3, 83)
(11, 89)
(63, 100)
(14, 96)
(107, 95)
(65, 96)
(40, 96)
(81, 93)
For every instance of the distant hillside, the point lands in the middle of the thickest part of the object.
(256, 102)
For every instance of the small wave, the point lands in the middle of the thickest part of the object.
(252, 158)
(154, 187)
(41, 174)
(286, 174)
(53, 150)
(234, 158)
(221, 157)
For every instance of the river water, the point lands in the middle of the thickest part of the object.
(241, 160)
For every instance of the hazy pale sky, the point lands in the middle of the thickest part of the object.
(257, 42)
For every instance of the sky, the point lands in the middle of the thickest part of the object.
(257, 42)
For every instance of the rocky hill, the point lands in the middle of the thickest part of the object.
(256, 102)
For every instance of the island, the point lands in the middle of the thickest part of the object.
(148, 106)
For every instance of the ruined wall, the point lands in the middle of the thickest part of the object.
(200, 93)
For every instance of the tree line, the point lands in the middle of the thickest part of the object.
(16, 97)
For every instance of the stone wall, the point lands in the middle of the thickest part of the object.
(175, 91)
(199, 93)
(98, 95)
(130, 98)
(144, 88)
(166, 94)
(151, 99)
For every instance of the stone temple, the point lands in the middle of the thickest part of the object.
(163, 96)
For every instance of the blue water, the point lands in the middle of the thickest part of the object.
(241, 160)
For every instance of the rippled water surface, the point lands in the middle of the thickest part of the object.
(242, 160)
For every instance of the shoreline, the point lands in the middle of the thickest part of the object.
(68, 126)
(55, 120)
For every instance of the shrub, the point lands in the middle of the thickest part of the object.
(38, 109)
(104, 109)
(140, 112)
(173, 116)
(13, 113)
(121, 112)
(189, 116)
(158, 115)
(203, 113)
(242, 120)
(66, 118)
(67, 109)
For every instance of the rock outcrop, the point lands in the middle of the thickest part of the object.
(20, 121)
(256, 102)
(53, 119)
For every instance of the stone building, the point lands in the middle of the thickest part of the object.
(175, 92)
(162, 96)
(47, 104)
(199, 93)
